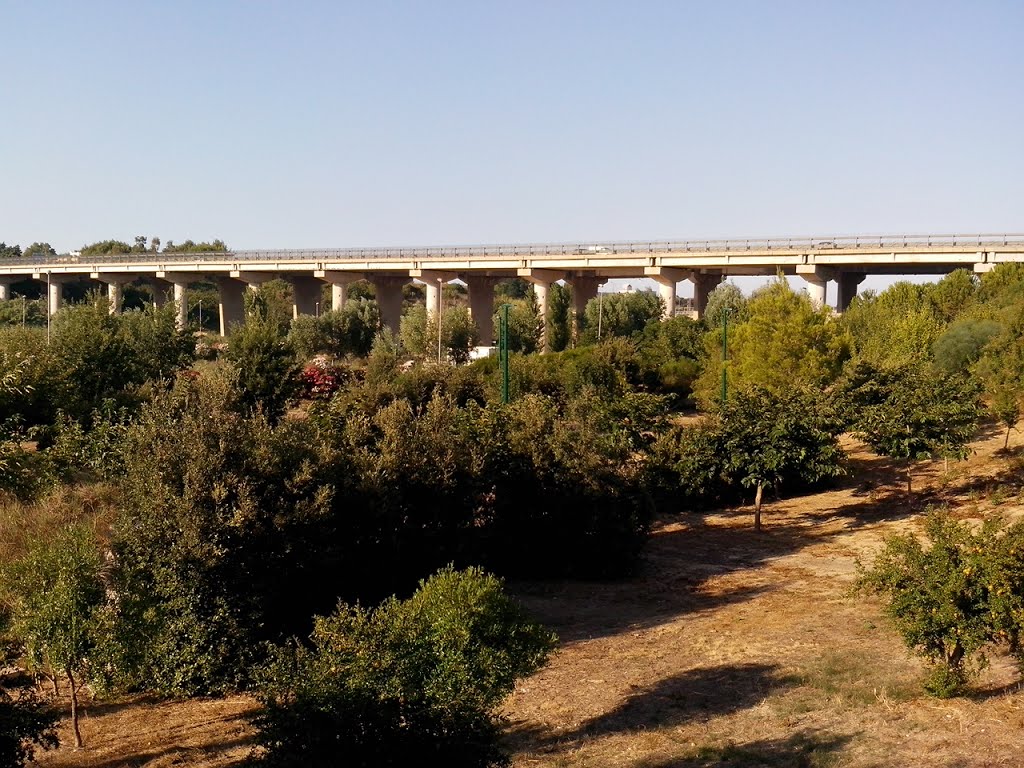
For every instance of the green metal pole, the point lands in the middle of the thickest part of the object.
(725, 354)
(503, 351)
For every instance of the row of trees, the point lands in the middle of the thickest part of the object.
(238, 519)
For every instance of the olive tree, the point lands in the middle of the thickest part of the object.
(55, 591)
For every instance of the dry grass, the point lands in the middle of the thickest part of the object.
(729, 648)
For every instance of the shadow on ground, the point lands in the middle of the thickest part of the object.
(695, 695)
(808, 749)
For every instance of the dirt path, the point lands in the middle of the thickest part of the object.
(729, 648)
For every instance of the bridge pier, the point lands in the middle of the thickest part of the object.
(55, 295)
(232, 303)
(481, 305)
(389, 299)
(817, 282)
(667, 279)
(703, 285)
(339, 282)
(5, 290)
(115, 289)
(847, 282)
(306, 294)
(541, 280)
(584, 288)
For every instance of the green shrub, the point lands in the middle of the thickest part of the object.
(407, 683)
(951, 599)
(26, 722)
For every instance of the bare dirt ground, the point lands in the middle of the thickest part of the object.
(728, 648)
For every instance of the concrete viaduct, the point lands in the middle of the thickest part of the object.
(584, 266)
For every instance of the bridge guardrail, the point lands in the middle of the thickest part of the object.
(595, 249)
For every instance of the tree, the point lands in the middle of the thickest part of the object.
(621, 314)
(559, 332)
(954, 597)
(10, 251)
(725, 296)
(767, 436)
(913, 413)
(56, 591)
(897, 326)
(524, 323)
(106, 247)
(188, 246)
(39, 251)
(459, 334)
(953, 294)
(265, 365)
(962, 343)
(1001, 369)
(388, 685)
(784, 342)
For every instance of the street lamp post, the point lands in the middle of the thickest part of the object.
(600, 306)
(200, 315)
(725, 352)
(49, 302)
(438, 310)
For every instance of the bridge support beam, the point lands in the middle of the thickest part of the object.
(584, 288)
(181, 302)
(160, 289)
(667, 279)
(306, 294)
(703, 285)
(339, 282)
(817, 282)
(5, 290)
(54, 295)
(115, 289)
(481, 305)
(232, 303)
(389, 299)
(541, 280)
(847, 282)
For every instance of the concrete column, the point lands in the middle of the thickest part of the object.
(339, 285)
(848, 282)
(389, 299)
(704, 284)
(115, 295)
(584, 288)
(339, 295)
(668, 279)
(232, 303)
(306, 292)
(160, 289)
(5, 290)
(817, 282)
(55, 295)
(434, 293)
(181, 301)
(541, 280)
(481, 305)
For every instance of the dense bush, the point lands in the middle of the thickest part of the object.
(951, 599)
(759, 439)
(409, 682)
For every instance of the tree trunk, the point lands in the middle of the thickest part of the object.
(1006, 442)
(74, 709)
(53, 680)
(910, 487)
(757, 507)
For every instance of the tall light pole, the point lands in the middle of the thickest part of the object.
(725, 352)
(600, 306)
(200, 315)
(49, 302)
(440, 303)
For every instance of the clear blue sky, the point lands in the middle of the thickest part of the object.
(329, 124)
